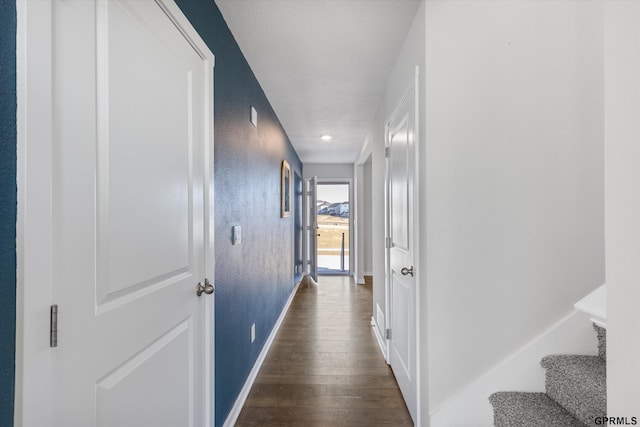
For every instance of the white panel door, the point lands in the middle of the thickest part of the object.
(131, 200)
(402, 344)
(312, 227)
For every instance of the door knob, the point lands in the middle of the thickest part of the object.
(207, 288)
(406, 271)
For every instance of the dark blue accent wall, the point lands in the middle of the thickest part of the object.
(7, 207)
(253, 279)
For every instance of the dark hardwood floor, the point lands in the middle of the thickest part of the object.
(325, 367)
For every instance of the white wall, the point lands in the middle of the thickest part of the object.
(375, 140)
(328, 170)
(367, 193)
(513, 231)
(362, 224)
(622, 154)
(358, 212)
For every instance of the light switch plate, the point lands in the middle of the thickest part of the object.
(237, 234)
(253, 332)
(254, 117)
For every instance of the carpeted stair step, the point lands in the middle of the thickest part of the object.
(578, 384)
(602, 341)
(519, 409)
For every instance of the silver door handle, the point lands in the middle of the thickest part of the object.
(207, 288)
(406, 271)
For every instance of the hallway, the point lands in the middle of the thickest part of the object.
(325, 367)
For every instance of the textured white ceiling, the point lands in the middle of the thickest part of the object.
(323, 64)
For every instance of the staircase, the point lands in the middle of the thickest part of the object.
(575, 393)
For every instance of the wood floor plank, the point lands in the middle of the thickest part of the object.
(322, 390)
(325, 417)
(364, 380)
(325, 367)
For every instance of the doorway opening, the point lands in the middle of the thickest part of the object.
(333, 209)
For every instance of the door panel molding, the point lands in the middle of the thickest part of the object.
(146, 353)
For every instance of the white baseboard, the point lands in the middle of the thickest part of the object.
(520, 371)
(360, 277)
(381, 341)
(244, 393)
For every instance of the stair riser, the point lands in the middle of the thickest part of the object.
(578, 406)
(518, 409)
(602, 341)
(578, 384)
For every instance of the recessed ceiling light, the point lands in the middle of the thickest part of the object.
(326, 137)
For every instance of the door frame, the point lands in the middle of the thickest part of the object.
(414, 85)
(298, 225)
(349, 182)
(34, 229)
(308, 267)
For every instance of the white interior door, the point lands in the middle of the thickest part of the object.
(402, 287)
(132, 100)
(312, 227)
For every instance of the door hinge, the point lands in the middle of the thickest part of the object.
(388, 243)
(388, 334)
(53, 326)
(387, 151)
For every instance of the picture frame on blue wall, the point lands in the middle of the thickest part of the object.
(285, 190)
